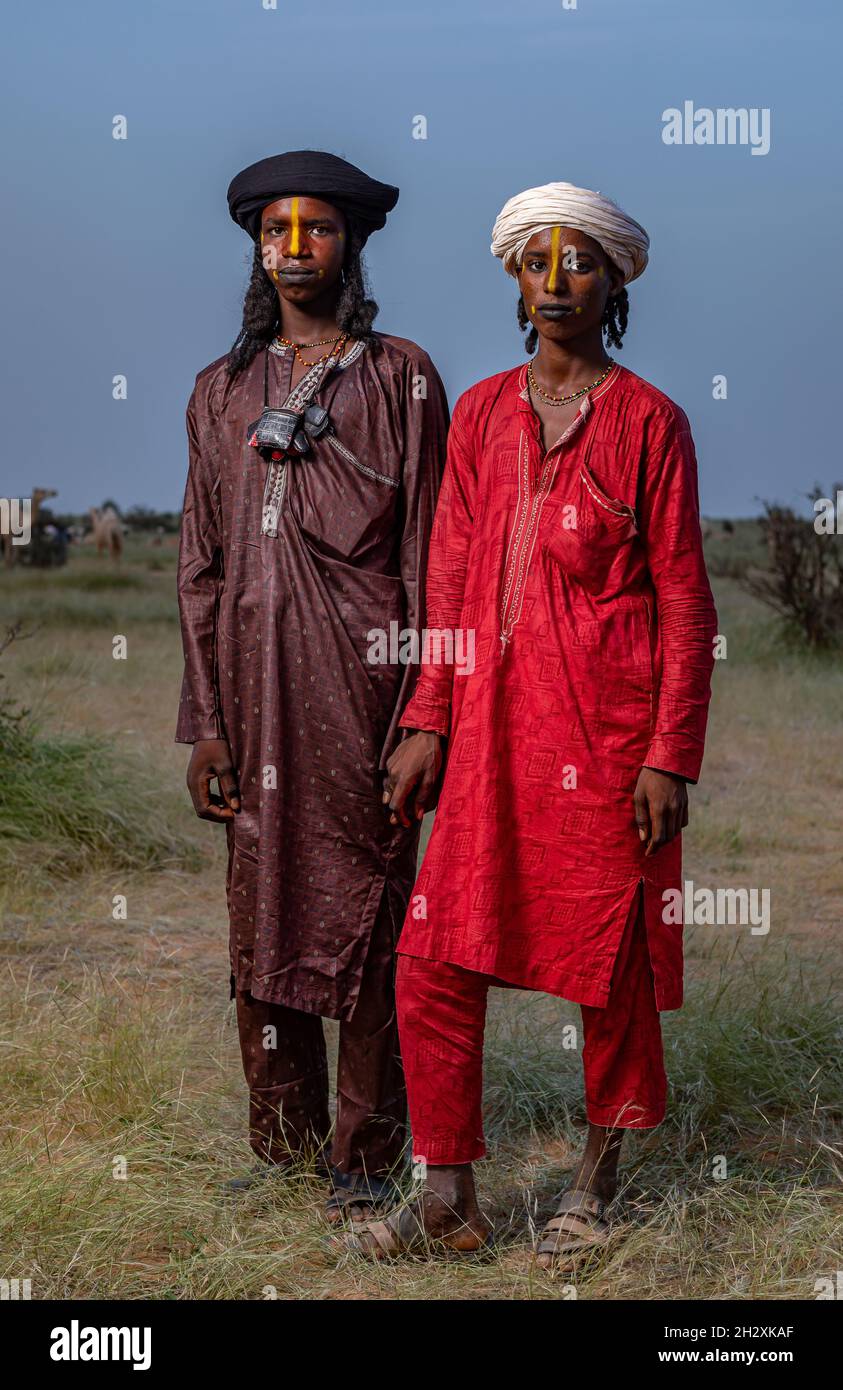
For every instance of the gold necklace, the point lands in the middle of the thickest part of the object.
(341, 339)
(566, 400)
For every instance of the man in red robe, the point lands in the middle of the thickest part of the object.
(316, 451)
(567, 539)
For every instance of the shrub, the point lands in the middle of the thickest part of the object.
(804, 579)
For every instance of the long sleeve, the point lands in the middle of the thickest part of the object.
(430, 707)
(426, 432)
(669, 522)
(200, 579)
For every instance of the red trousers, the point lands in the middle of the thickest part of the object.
(441, 1020)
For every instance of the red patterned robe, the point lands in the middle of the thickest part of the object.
(581, 571)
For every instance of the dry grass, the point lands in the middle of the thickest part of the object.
(118, 1042)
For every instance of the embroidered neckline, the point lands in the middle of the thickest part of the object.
(522, 536)
(531, 499)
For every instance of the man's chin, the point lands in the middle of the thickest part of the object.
(301, 294)
(321, 299)
(560, 331)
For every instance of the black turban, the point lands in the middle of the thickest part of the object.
(309, 174)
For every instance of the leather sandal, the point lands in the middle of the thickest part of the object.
(351, 1190)
(402, 1233)
(577, 1225)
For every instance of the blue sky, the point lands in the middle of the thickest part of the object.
(119, 256)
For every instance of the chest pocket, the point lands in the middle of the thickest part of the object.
(590, 531)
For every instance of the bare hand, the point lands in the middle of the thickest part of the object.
(411, 776)
(661, 808)
(211, 758)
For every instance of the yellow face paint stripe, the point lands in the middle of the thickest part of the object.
(294, 239)
(555, 235)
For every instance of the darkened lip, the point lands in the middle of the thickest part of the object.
(291, 273)
(554, 309)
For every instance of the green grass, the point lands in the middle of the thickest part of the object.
(71, 804)
(97, 581)
(93, 1073)
(90, 592)
(117, 1039)
(89, 612)
(753, 1069)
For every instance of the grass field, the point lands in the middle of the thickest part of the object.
(119, 1052)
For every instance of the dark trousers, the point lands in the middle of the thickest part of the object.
(287, 1073)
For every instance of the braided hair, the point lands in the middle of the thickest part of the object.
(356, 312)
(614, 322)
(615, 319)
(525, 325)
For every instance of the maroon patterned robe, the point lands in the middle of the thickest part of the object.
(276, 654)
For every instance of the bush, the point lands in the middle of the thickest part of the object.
(804, 579)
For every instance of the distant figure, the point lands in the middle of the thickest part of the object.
(39, 495)
(107, 532)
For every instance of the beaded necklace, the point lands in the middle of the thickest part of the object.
(566, 400)
(336, 346)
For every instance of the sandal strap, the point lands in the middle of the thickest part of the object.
(339, 1201)
(572, 1246)
(358, 1189)
(576, 1201)
(563, 1219)
(383, 1233)
(398, 1232)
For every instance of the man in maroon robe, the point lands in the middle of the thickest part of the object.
(316, 452)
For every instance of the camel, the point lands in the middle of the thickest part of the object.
(716, 531)
(107, 531)
(39, 495)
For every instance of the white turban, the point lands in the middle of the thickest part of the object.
(564, 205)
